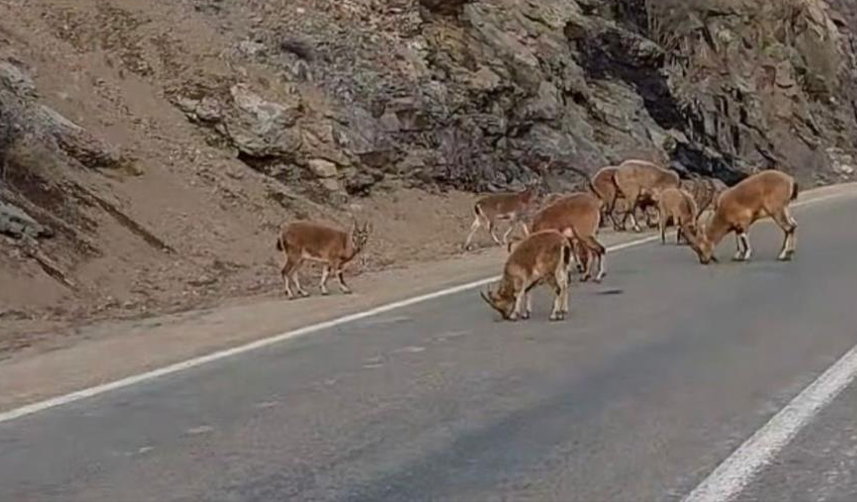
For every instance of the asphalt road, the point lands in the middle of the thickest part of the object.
(656, 377)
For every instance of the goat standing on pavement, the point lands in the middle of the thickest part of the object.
(543, 257)
(764, 194)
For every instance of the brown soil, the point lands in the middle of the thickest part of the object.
(190, 224)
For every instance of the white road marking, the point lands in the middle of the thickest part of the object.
(731, 476)
(86, 393)
(202, 429)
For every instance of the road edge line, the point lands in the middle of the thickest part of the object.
(732, 475)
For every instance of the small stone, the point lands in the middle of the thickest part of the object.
(323, 168)
(209, 110)
(16, 79)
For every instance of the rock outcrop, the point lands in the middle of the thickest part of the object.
(480, 94)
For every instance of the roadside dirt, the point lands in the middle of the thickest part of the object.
(410, 227)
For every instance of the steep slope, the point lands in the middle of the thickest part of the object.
(151, 149)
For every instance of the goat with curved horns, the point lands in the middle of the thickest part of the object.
(543, 257)
(764, 194)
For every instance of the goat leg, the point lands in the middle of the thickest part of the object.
(325, 273)
(493, 235)
(344, 287)
(473, 228)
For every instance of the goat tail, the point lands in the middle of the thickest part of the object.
(795, 190)
(281, 245)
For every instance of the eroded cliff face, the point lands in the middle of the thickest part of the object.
(480, 94)
(151, 149)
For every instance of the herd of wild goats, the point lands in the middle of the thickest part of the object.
(564, 231)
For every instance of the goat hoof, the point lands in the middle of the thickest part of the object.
(525, 315)
(325, 293)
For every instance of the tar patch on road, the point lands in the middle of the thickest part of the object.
(610, 292)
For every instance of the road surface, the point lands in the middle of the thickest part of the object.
(658, 375)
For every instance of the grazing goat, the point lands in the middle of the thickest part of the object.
(303, 240)
(638, 181)
(502, 206)
(542, 257)
(578, 217)
(679, 206)
(764, 194)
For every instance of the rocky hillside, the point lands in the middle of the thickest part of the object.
(150, 149)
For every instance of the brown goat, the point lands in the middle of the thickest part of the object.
(764, 194)
(304, 240)
(638, 181)
(512, 207)
(543, 257)
(677, 205)
(578, 217)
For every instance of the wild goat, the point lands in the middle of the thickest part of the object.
(764, 194)
(304, 240)
(502, 206)
(542, 257)
(677, 205)
(578, 218)
(638, 181)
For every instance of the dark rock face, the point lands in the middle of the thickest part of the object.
(482, 94)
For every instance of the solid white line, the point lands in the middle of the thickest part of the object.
(731, 476)
(215, 356)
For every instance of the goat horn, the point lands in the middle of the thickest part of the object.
(485, 297)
